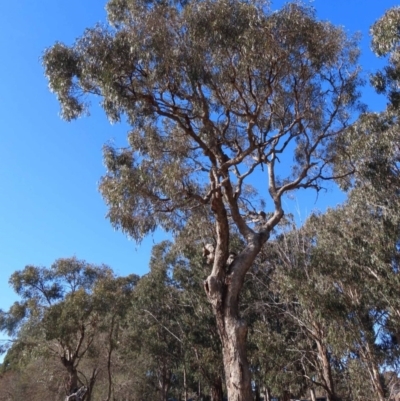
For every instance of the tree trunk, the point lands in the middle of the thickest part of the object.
(164, 393)
(223, 287)
(233, 334)
(237, 372)
(326, 371)
(368, 356)
(164, 381)
(377, 384)
(185, 391)
(267, 394)
(79, 395)
(72, 384)
(312, 394)
(257, 395)
(72, 381)
(90, 387)
(216, 390)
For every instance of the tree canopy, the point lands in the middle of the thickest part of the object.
(213, 91)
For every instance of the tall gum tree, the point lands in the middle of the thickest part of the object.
(215, 91)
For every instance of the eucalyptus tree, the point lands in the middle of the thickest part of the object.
(60, 316)
(350, 246)
(215, 92)
(374, 193)
(328, 290)
(113, 299)
(356, 249)
(307, 309)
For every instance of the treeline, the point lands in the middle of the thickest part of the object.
(321, 302)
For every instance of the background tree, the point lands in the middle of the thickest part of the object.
(113, 297)
(214, 91)
(154, 335)
(60, 315)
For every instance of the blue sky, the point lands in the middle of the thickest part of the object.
(49, 169)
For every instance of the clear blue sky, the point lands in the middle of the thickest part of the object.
(49, 169)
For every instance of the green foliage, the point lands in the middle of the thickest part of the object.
(385, 32)
(237, 84)
(385, 41)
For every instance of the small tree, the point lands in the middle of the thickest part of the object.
(215, 92)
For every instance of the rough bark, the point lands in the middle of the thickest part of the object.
(237, 372)
(233, 334)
